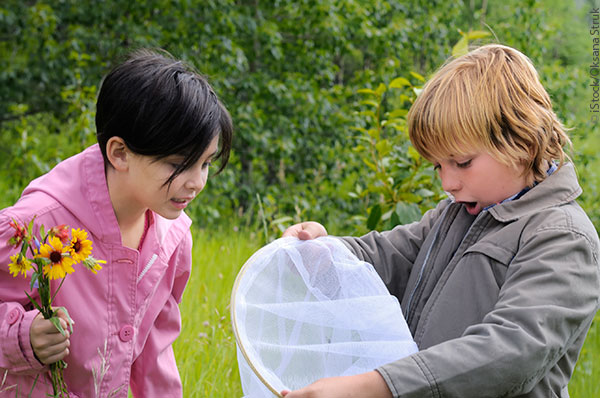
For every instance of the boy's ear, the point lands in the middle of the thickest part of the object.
(117, 153)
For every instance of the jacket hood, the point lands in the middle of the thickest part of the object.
(79, 185)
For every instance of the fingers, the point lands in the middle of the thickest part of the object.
(48, 344)
(306, 230)
(62, 315)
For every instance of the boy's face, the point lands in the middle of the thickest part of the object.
(147, 177)
(478, 180)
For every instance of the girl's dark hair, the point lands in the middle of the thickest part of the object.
(160, 107)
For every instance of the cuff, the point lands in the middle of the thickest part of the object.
(17, 347)
(410, 378)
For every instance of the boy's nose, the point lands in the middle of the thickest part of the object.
(449, 182)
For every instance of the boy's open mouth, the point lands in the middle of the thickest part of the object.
(472, 208)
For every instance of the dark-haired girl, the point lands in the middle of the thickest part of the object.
(159, 127)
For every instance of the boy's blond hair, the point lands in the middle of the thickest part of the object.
(490, 99)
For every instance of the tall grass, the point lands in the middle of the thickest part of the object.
(206, 353)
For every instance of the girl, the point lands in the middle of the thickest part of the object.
(159, 127)
(499, 284)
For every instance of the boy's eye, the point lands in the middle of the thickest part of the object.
(436, 167)
(464, 165)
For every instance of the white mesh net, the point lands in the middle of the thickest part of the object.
(304, 310)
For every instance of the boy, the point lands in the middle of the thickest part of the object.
(499, 284)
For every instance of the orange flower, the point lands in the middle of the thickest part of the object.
(60, 261)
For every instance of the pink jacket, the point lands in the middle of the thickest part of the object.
(131, 305)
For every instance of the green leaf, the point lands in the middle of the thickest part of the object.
(397, 113)
(35, 304)
(366, 91)
(383, 147)
(370, 102)
(374, 133)
(387, 215)
(34, 278)
(477, 34)
(407, 212)
(369, 164)
(381, 89)
(394, 220)
(425, 193)
(69, 319)
(461, 47)
(400, 82)
(414, 155)
(417, 76)
(374, 217)
(56, 322)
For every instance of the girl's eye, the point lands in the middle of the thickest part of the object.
(206, 165)
(464, 165)
(174, 166)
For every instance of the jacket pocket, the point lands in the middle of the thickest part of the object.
(499, 258)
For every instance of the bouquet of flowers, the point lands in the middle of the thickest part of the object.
(51, 256)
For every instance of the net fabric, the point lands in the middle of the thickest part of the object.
(304, 310)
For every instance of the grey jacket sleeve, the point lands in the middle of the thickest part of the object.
(393, 253)
(537, 326)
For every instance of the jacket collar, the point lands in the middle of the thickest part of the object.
(559, 188)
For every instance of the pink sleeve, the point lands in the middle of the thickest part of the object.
(16, 353)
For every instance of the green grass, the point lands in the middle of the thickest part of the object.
(205, 351)
(585, 382)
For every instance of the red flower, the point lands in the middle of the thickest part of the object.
(61, 232)
(20, 234)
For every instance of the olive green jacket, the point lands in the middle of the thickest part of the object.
(499, 304)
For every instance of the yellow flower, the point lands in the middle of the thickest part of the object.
(92, 264)
(80, 247)
(19, 264)
(60, 262)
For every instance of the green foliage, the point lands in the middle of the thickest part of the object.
(291, 73)
(398, 184)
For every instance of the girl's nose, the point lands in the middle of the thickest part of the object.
(197, 179)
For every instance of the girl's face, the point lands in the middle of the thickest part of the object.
(478, 180)
(147, 178)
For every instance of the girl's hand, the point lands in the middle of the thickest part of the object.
(48, 344)
(369, 384)
(305, 230)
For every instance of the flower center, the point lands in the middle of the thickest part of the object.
(77, 246)
(55, 257)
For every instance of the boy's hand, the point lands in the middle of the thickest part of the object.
(305, 230)
(48, 344)
(369, 384)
